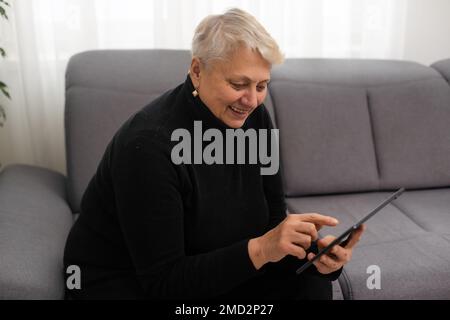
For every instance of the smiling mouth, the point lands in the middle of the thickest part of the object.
(240, 111)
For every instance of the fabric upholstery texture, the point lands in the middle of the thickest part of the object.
(34, 222)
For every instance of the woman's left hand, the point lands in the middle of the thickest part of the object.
(335, 259)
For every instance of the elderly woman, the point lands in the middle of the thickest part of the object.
(150, 228)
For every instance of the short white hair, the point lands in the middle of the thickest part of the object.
(218, 36)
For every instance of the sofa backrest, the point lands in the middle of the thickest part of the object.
(345, 125)
(103, 89)
(443, 67)
(361, 125)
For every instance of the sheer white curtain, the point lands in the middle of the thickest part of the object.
(42, 35)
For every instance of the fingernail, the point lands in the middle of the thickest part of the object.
(335, 221)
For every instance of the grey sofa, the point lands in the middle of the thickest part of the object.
(351, 132)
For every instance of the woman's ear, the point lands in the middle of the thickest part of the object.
(194, 71)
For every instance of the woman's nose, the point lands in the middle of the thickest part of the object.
(249, 99)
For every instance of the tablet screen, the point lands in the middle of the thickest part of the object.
(345, 236)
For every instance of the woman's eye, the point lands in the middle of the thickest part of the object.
(241, 86)
(237, 86)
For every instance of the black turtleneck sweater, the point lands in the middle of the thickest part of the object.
(151, 229)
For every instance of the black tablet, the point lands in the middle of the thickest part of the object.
(346, 235)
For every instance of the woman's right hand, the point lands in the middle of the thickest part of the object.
(292, 236)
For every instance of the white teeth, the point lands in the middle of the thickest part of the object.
(238, 110)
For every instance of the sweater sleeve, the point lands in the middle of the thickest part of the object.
(149, 204)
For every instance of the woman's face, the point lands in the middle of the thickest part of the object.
(232, 90)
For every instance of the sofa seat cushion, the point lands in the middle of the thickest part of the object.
(409, 240)
(415, 268)
(390, 224)
(428, 208)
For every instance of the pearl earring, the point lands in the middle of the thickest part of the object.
(195, 93)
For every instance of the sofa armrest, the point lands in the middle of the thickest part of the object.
(443, 67)
(35, 220)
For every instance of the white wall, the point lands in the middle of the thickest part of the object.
(427, 32)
